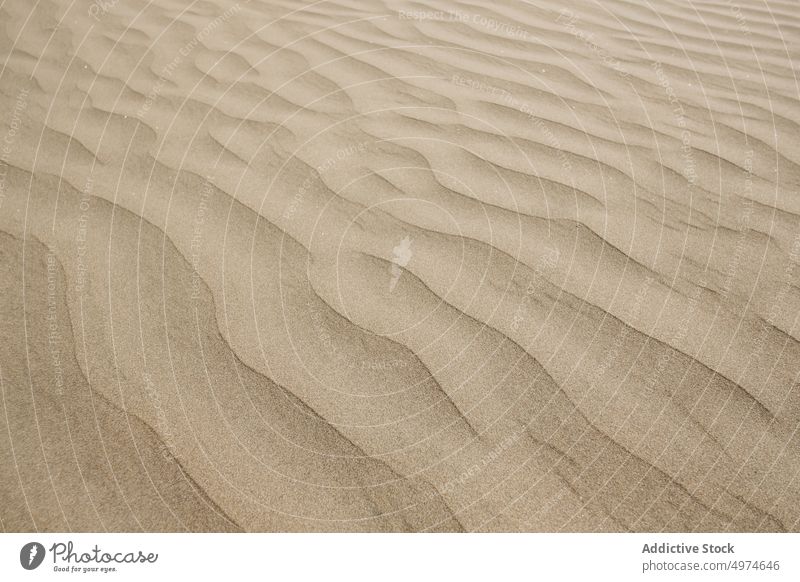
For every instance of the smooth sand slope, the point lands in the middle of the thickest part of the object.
(394, 266)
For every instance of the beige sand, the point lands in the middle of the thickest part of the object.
(362, 265)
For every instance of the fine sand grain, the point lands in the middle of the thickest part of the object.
(366, 265)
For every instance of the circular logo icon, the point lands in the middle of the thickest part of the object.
(31, 555)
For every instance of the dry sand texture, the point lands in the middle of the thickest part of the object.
(375, 265)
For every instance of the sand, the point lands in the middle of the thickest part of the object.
(393, 266)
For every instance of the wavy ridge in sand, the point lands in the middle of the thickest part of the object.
(355, 266)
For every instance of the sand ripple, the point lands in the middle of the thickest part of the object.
(352, 265)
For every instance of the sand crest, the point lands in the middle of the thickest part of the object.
(391, 266)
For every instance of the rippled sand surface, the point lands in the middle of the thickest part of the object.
(394, 266)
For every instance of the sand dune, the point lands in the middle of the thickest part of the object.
(390, 266)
